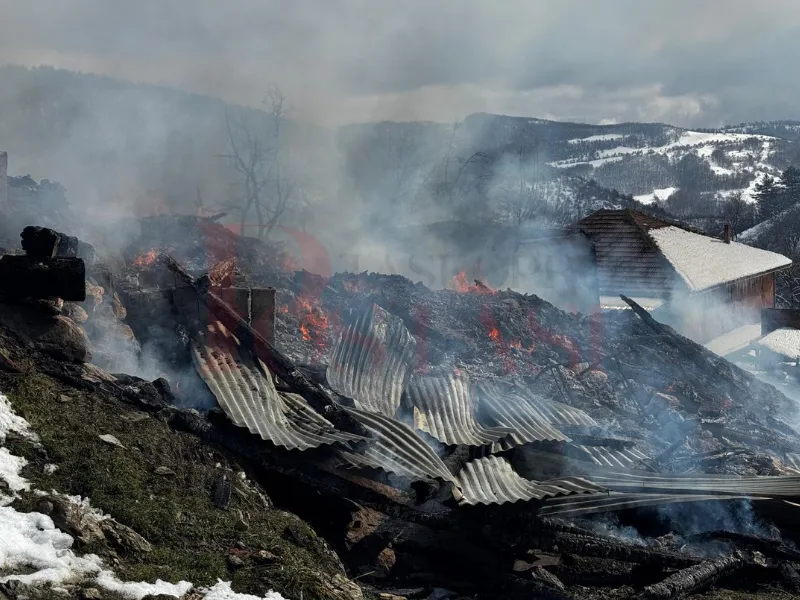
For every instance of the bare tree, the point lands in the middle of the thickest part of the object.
(258, 151)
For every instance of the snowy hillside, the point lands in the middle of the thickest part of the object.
(741, 158)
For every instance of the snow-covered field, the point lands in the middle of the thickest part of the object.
(661, 195)
(31, 544)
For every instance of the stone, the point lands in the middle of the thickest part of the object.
(58, 336)
(164, 471)
(386, 559)
(235, 562)
(123, 537)
(75, 312)
(91, 594)
(110, 439)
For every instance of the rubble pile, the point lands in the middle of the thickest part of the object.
(453, 443)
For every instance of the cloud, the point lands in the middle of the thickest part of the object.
(687, 62)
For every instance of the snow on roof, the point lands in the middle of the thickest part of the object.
(704, 262)
(734, 340)
(783, 341)
(617, 303)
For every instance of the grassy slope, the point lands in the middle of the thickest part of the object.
(191, 538)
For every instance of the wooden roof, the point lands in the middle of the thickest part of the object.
(628, 261)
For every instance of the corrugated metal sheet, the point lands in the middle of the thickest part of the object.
(491, 480)
(512, 411)
(574, 506)
(609, 457)
(372, 360)
(782, 486)
(394, 447)
(444, 407)
(245, 391)
(560, 414)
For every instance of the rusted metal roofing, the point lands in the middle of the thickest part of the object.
(781, 486)
(247, 395)
(371, 361)
(394, 447)
(444, 407)
(491, 480)
(510, 410)
(610, 457)
(560, 414)
(628, 261)
(574, 506)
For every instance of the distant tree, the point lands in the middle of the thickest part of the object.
(738, 212)
(768, 196)
(257, 150)
(790, 181)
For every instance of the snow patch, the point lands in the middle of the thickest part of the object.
(704, 262)
(222, 591)
(661, 194)
(597, 138)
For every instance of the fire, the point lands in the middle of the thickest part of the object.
(516, 344)
(460, 284)
(494, 334)
(313, 322)
(146, 259)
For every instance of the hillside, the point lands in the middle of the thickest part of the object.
(122, 148)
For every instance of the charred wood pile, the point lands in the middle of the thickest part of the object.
(451, 443)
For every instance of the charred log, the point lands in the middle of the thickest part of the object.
(28, 277)
(768, 547)
(692, 579)
(790, 576)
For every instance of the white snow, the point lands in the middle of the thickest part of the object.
(222, 591)
(785, 342)
(734, 340)
(597, 138)
(704, 262)
(31, 542)
(617, 303)
(661, 194)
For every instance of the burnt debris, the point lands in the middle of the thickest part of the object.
(479, 441)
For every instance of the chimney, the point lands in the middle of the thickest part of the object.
(727, 233)
(3, 180)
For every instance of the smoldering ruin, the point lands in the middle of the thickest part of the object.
(446, 443)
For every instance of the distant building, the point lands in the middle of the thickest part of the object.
(702, 286)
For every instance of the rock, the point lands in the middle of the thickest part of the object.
(75, 312)
(64, 398)
(165, 471)
(265, 557)
(546, 578)
(76, 519)
(119, 310)
(386, 559)
(94, 295)
(91, 594)
(58, 336)
(123, 537)
(110, 439)
(235, 562)
(45, 507)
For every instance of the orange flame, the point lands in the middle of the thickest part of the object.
(146, 259)
(460, 284)
(313, 322)
(494, 334)
(516, 344)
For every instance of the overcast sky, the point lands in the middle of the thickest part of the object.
(687, 62)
